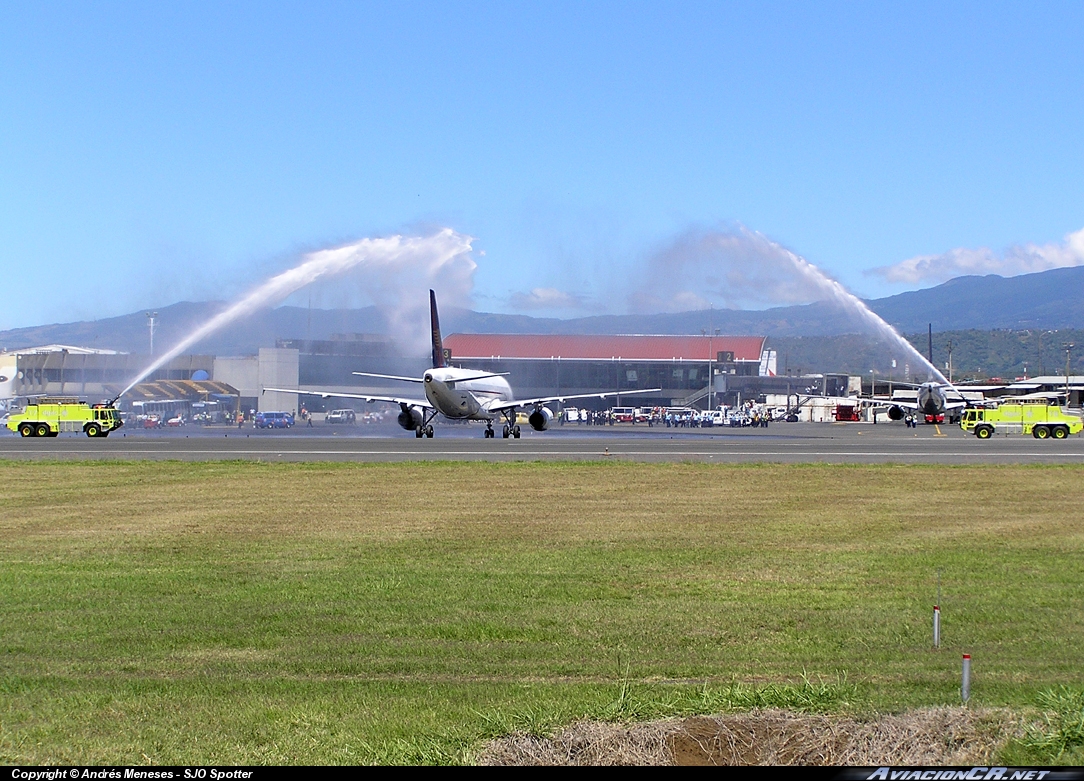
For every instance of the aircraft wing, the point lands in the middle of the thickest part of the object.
(951, 405)
(368, 397)
(500, 406)
(910, 405)
(481, 376)
(466, 378)
(389, 377)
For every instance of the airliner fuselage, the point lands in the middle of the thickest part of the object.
(464, 399)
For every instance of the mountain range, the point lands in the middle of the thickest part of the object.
(1045, 300)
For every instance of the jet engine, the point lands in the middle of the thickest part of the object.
(410, 418)
(895, 413)
(540, 418)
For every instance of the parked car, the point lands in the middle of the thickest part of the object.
(274, 420)
(712, 418)
(176, 421)
(340, 416)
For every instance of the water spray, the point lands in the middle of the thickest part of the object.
(852, 303)
(383, 255)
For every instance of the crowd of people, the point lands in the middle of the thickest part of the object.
(670, 417)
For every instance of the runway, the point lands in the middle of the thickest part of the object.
(780, 443)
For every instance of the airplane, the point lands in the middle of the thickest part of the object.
(460, 394)
(931, 401)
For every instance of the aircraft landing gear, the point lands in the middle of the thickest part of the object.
(510, 428)
(426, 428)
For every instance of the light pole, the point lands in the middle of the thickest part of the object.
(152, 321)
(709, 332)
(872, 393)
(1042, 361)
(1068, 353)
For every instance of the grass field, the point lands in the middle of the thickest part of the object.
(343, 613)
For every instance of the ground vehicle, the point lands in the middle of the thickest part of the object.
(340, 416)
(274, 420)
(47, 417)
(847, 413)
(1038, 418)
(712, 417)
(718, 417)
(623, 414)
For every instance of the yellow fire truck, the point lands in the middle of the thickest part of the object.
(1036, 417)
(47, 417)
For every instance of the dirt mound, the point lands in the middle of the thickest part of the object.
(935, 736)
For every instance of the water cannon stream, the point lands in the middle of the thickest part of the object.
(853, 304)
(433, 253)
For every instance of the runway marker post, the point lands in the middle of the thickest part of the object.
(937, 615)
(965, 687)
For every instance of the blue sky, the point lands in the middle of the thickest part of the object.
(151, 153)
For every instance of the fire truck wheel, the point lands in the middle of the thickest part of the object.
(26, 430)
(983, 432)
(42, 430)
(1060, 432)
(1041, 432)
(93, 430)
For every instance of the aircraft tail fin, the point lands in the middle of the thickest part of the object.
(438, 343)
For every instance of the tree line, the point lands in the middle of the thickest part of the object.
(974, 354)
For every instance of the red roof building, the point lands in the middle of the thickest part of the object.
(604, 348)
(685, 369)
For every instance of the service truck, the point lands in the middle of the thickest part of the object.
(1038, 418)
(47, 417)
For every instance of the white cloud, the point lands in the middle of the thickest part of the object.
(734, 266)
(1018, 259)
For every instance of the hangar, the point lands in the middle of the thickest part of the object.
(689, 369)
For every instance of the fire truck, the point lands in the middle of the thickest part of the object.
(1036, 417)
(47, 417)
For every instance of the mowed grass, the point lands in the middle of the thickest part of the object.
(403, 613)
